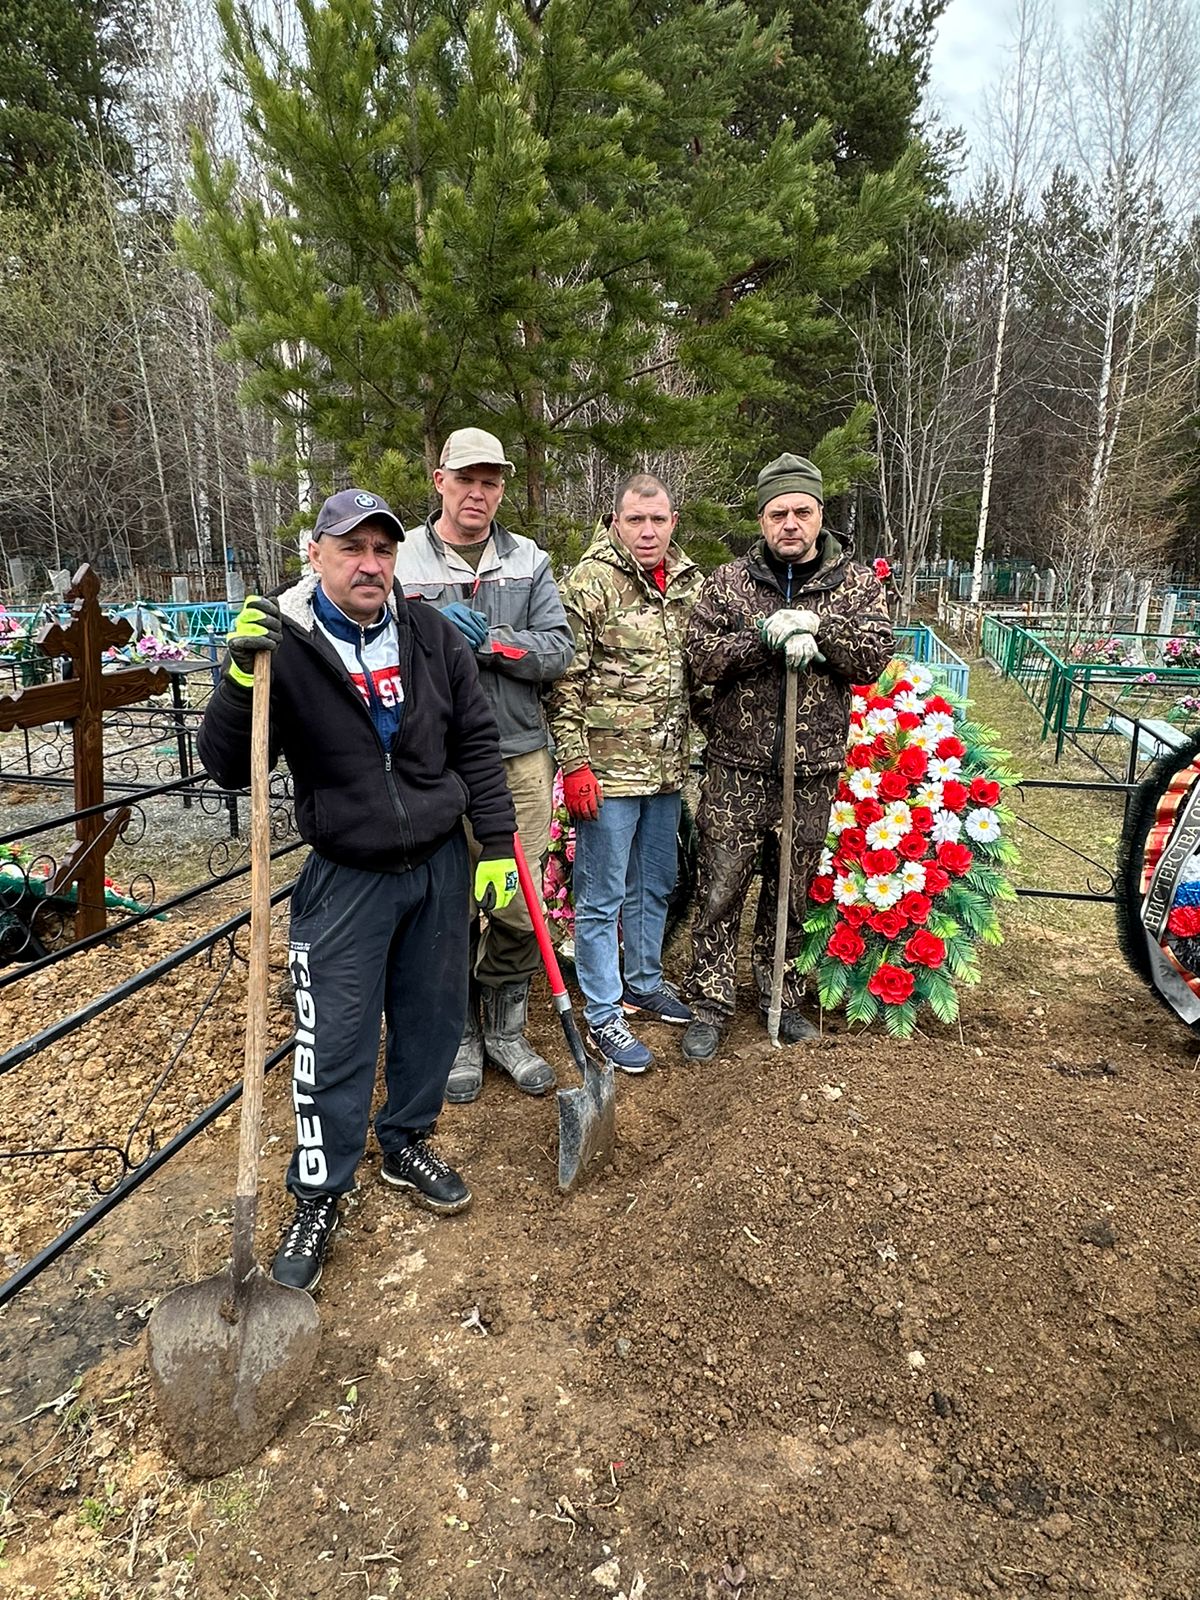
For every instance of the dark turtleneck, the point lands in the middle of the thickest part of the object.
(793, 575)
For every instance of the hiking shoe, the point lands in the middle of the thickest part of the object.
(301, 1254)
(701, 1041)
(434, 1182)
(663, 1004)
(619, 1047)
(794, 1027)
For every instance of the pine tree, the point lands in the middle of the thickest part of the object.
(522, 217)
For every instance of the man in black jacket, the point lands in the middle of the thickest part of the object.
(377, 708)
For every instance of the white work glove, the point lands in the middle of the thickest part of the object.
(801, 650)
(776, 630)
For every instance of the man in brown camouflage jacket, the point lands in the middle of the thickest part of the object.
(795, 600)
(619, 715)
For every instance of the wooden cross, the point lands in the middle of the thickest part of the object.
(82, 700)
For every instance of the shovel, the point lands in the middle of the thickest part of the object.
(786, 829)
(230, 1354)
(587, 1116)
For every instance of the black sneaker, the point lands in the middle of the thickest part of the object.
(301, 1254)
(701, 1041)
(434, 1182)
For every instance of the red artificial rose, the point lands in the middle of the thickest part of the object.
(867, 811)
(912, 762)
(862, 690)
(902, 687)
(889, 924)
(882, 570)
(891, 984)
(954, 794)
(852, 843)
(846, 945)
(922, 818)
(936, 703)
(936, 881)
(854, 916)
(878, 702)
(985, 792)
(879, 861)
(950, 746)
(925, 949)
(844, 791)
(912, 846)
(860, 756)
(821, 890)
(1184, 922)
(879, 747)
(916, 907)
(956, 858)
(908, 720)
(893, 786)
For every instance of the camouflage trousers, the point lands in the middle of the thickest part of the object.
(738, 817)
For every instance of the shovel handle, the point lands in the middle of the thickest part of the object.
(533, 904)
(786, 830)
(246, 1198)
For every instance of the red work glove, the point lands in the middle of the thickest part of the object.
(582, 793)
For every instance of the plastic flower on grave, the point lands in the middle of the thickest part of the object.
(556, 878)
(919, 840)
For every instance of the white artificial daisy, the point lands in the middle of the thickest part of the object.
(858, 703)
(920, 740)
(825, 867)
(881, 720)
(929, 795)
(883, 890)
(864, 784)
(939, 724)
(983, 824)
(920, 677)
(946, 828)
(909, 700)
(884, 834)
(841, 816)
(859, 734)
(899, 813)
(943, 767)
(846, 891)
(912, 876)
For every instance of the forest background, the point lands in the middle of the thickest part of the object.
(253, 251)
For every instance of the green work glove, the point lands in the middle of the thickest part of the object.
(495, 883)
(257, 626)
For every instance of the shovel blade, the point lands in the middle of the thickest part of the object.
(587, 1126)
(224, 1370)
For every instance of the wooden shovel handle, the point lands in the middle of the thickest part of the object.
(246, 1200)
(786, 830)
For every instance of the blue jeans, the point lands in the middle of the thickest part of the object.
(625, 868)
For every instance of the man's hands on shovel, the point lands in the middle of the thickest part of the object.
(795, 633)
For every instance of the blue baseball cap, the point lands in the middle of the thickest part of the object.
(343, 512)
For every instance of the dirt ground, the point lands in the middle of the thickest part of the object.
(865, 1318)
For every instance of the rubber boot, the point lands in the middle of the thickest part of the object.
(466, 1075)
(504, 1012)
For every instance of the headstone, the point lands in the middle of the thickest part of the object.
(179, 591)
(1051, 586)
(16, 575)
(60, 582)
(1143, 606)
(235, 587)
(1166, 620)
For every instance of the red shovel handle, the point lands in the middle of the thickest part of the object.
(537, 915)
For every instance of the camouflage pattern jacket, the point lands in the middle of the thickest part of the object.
(724, 651)
(622, 704)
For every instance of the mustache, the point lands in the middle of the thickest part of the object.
(367, 583)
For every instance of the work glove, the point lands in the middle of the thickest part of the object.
(257, 626)
(473, 625)
(496, 882)
(582, 794)
(778, 629)
(801, 651)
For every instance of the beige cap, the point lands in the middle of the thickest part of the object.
(473, 447)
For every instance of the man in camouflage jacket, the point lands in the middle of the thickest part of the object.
(795, 601)
(619, 715)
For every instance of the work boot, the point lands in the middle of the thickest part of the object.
(794, 1027)
(701, 1041)
(466, 1075)
(504, 1012)
(301, 1254)
(432, 1182)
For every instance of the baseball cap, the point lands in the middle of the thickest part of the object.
(473, 447)
(343, 512)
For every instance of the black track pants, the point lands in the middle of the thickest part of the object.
(365, 944)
